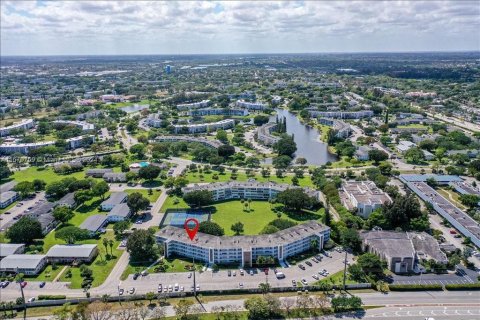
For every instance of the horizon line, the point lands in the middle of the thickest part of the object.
(251, 53)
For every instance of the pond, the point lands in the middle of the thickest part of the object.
(309, 145)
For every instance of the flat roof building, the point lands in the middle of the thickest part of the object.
(120, 212)
(22, 125)
(243, 250)
(265, 136)
(115, 177)
(97, 173)
(246, 190)
(204, 127)
(365, 196)
(66, 253)
(250, 105)
(94, 223)
(7, 198)
(28, 264)
(7, 249)
(67, 200)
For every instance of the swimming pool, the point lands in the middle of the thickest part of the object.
(144, 164)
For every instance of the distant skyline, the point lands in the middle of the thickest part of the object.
(223, 27)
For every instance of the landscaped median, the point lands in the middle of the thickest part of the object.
(414, 287)
(463, 286)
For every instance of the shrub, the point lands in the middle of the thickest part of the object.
(414, 287)
(52, 297)
(463, 286)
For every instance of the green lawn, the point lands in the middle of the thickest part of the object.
(337, 278)
(9, 207)
(260, 214)
(101, 266)
(346, 162)
(48, 274)
(45, 174)
(127, 103)
(153, 197)
(193, 177)
(178, 264)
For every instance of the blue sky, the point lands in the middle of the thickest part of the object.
(154, 27)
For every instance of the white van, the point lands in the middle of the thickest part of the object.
(280, 275)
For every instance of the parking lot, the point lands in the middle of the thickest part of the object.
(209, 280)
(19, 209)
(464, 276)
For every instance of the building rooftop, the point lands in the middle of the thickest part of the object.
(441, 178)
(120, 210)
(282, 237)
(4, 196)
(7, 249)
(41, 209)
(94, 222)
(389, 243)
(71, 250)
(115, 198)
(67, 200)
(90, 171)
(365, 192)
(21, 261)
(8, 186)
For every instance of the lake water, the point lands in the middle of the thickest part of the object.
(307, 139)
(135, 108)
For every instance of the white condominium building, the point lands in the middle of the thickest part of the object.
(264, 134)
(218, 111)
(251, 105)
(24, 148)
(244, 250)
(363, 195)
(85, 126)
(24, 124)
(342, 129)
(204, 127)
(246, 190)
(154, 120)
(195, 105)
(341, 114)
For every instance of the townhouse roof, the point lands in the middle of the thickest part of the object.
(94, 222)
(115, 198)
(22, 261)
(7, 249)
(120, 210)
(71, 250)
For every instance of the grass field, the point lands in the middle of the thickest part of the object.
(153, 197)
(254, 219)
(126, 104)
(47, 174)
(193, 177)
(48, 274)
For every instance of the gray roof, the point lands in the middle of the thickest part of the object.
(282, 237)
(8, 186)
(115, 175)
(423, 177)
(389, 243)
(427, 247)
(90, 171)
(71, 250)
(67, 200)
(4, 196)
(7, 249)
(121, 210)
(41, 209)
(22, 261)
(94, 223)
(115, 198)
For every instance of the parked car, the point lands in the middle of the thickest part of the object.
(308, 263)
(136, 275)
(294, 283)
(314, 276)
(251, 272)
(132, 291)
(234, 273)
(23, 284)
(242, 272)
(304, 281)
(189, 275)
(240, 284)
(160, 289)
(301, 266)
(229, 273)
(7, 212)
(42, 284)
(31, 299)
(120, 292)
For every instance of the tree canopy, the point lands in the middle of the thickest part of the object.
(25, 230)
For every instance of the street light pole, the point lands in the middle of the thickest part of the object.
(345, 271)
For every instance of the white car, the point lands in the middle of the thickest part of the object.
(240, 284)
(314, 276)
(182, 288)
(189, 275)
(31, 299)
(304, 281)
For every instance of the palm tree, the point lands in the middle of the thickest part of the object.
(249, 202)
(105, 244)
(110, 244)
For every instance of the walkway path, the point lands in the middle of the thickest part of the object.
(60, 274)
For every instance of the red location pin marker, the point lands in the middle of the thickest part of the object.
(188, 227)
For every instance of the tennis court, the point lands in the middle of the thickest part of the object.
(177, 218)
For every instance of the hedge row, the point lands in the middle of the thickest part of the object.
(463, 286)
(414, 287)
(51, 297)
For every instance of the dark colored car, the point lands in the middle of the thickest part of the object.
(42, 284)
(301, 266)
(136, 275)
(308, 263)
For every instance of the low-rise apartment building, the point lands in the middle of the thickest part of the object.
(265, 136)
(341, 114)
(342, 129)
(22, 125)
(365, 196)
(244, 250)
(206, 142)
(204, 127)
(28, 264)
(218, 111)
(194, 105)
(246, 190)
(251, 105)
(115, 199)
(67, 253)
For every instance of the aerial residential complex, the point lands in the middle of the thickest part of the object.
(341, 114)
(265, 136)
(85, 126)
(195, 105)
(24, 148)
(204, 127)
(244, 250)
(246, 190)
(206, 142)
(342, 129)
(251, 105)
(365, 196)
(456, 217)
(218, 111)
(22, 125)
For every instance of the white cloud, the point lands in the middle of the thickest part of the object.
(83, 27)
